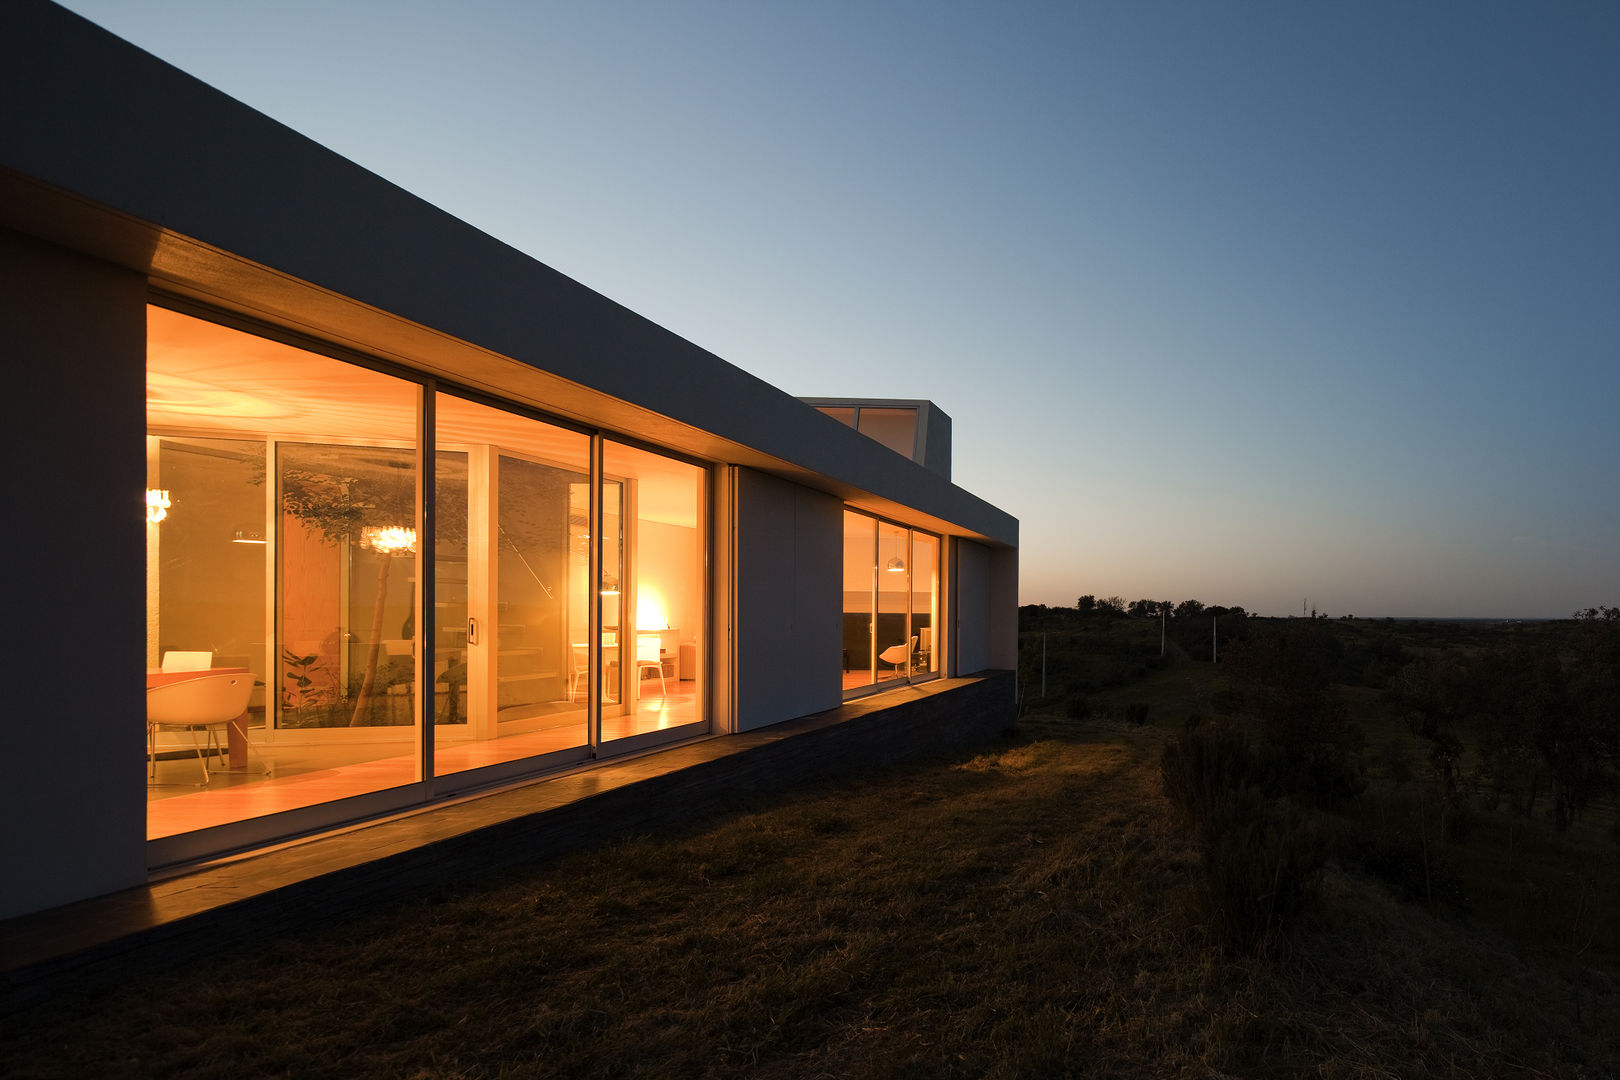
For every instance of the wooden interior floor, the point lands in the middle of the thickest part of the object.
(306, 775)
(853, 679)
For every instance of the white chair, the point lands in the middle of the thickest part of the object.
(898, 654)
(177, 660)
(647, 656)
(582, 669)
(208, 702)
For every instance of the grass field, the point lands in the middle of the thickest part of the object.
(1020, 911)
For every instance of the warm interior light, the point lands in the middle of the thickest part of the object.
(157, 505)
(388, 539)
(650, 613)
(896, 566)
(248, 536)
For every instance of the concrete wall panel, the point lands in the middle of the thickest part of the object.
(789, 588)
(971, 592)
(72, 778)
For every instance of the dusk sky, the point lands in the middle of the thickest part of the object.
(1243, 302)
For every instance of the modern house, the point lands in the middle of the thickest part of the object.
(338, 506)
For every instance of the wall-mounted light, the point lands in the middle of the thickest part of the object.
(248, 536)
(896, 566)
(157, 505)
(388, 539)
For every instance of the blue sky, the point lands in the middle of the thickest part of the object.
(1247, 302)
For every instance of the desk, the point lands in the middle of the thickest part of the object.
(236, 739)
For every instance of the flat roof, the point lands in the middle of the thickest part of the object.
(108, 150)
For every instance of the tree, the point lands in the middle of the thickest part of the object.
(370, 500)
(1188, 609)
(1438, 694)
(1086, 604)
(1110, 607)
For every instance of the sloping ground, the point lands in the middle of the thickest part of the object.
(1017, 912)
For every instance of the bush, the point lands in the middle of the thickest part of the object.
(1399, 839)
(1261, 870)
(1136, 713)
(1262, 859)
(1201, 767)
(1079, 707)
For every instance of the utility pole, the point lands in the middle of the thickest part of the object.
(1215, 639)
(1043, 667)
(1162, 614)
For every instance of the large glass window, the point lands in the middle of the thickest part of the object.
(891, 602)
(860, 577)
(654, 599)
(512, 666)
(289, 661)
(924, 602)
(894, 641)
(281, 553)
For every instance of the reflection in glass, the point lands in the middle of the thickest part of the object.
(894, 428)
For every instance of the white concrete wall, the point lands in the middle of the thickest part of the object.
(1001, 621)
(72, 786)
(790, 562)
(970, 604)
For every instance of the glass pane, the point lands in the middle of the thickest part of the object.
(662, 593)
(894, 428)
(209, 553)
(924, 601)
(450, 595)
(348, 563)
(612, 596)
(860, 547)
(265, 448)
(511, 567)
(894, 640)
(844, 414)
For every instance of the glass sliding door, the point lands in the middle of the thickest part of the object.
(286, 557)
(654, 592)
(860, 601)
(893, 638)
(285, 561)
(924, 603)
(511, 563)
(891, 603)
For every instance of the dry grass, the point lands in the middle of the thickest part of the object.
(1012, 913)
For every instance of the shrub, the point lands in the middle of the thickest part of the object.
(1136, 713)
(1262, 869)
(1400, 839)
(1262, 859)
(1201, 767)
(1079, 707)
